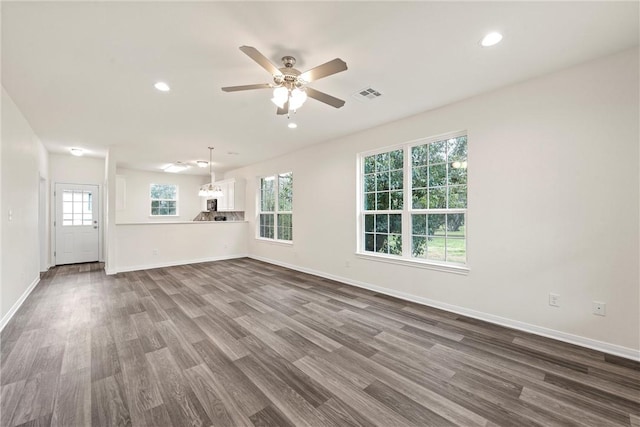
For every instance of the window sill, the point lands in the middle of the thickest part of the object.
(163, 216)
(415, 263)
(275, 242)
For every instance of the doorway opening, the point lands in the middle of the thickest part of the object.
(77, 223)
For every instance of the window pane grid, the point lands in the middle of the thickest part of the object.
(275, 219)
(285, 227)
(439, 237)
(383, 233)
(436, 185)
(383, 181)
(266, 226)
(164, 199)
(77, 208)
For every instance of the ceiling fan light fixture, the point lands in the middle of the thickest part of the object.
(297, 98)
(280, 96)
(202, 163)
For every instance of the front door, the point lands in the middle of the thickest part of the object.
(76, 224)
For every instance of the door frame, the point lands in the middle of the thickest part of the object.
(54, 212)
(43, 217)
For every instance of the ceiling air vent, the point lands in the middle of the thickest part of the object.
(367, 93)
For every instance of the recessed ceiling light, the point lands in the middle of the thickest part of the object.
(491, 39)
(162, 87)
(202, 163)
(292, 125)
(77, 151)
(176, 167)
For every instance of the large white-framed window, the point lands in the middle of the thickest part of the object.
(164, 199)
(275, 208)
(413, 201)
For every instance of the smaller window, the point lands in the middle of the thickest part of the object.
(275, 213)
(164, 199)
(77, 207)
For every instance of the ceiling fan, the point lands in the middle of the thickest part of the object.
(289, 85)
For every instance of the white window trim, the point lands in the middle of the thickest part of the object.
(406, 258)
(151, 200)
(275, 212)
(274, 241)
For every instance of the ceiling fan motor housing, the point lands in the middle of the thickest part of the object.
(288, 61)
(289, 77)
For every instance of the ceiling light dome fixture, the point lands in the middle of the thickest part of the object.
(77, 152)
(211, 190)
(491, 39)
(176, 167)
(202, 163)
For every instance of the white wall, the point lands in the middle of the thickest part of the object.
(138, 204)
(44, 211)
(68, 169)
(23, 162)
(143, 246)
(109, 211)
(553, 206)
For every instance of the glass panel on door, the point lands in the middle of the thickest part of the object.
(77, 208)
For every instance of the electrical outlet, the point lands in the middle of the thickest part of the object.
(599, 308)
(554, 300)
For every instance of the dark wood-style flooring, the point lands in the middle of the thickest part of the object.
(244, 343)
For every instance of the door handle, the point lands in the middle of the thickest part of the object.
(95, 226)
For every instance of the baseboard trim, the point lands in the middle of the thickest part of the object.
(19, 303)
(172, 263)
(617, 350)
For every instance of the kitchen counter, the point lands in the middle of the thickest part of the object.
(179, 222)
(159, 244)
(211, 215)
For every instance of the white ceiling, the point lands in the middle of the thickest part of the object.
(83, 72)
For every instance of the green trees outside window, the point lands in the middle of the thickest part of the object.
(164, 199)
(275, 219)
(422, 186)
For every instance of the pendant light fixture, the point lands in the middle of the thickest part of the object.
(211, 190)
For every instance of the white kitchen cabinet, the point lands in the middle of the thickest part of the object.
(203, 204)
(232, 195)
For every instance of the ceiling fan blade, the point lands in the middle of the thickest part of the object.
(284, 109)
(262, 60)
(323, 97)
(247, 87)
(324, 70)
